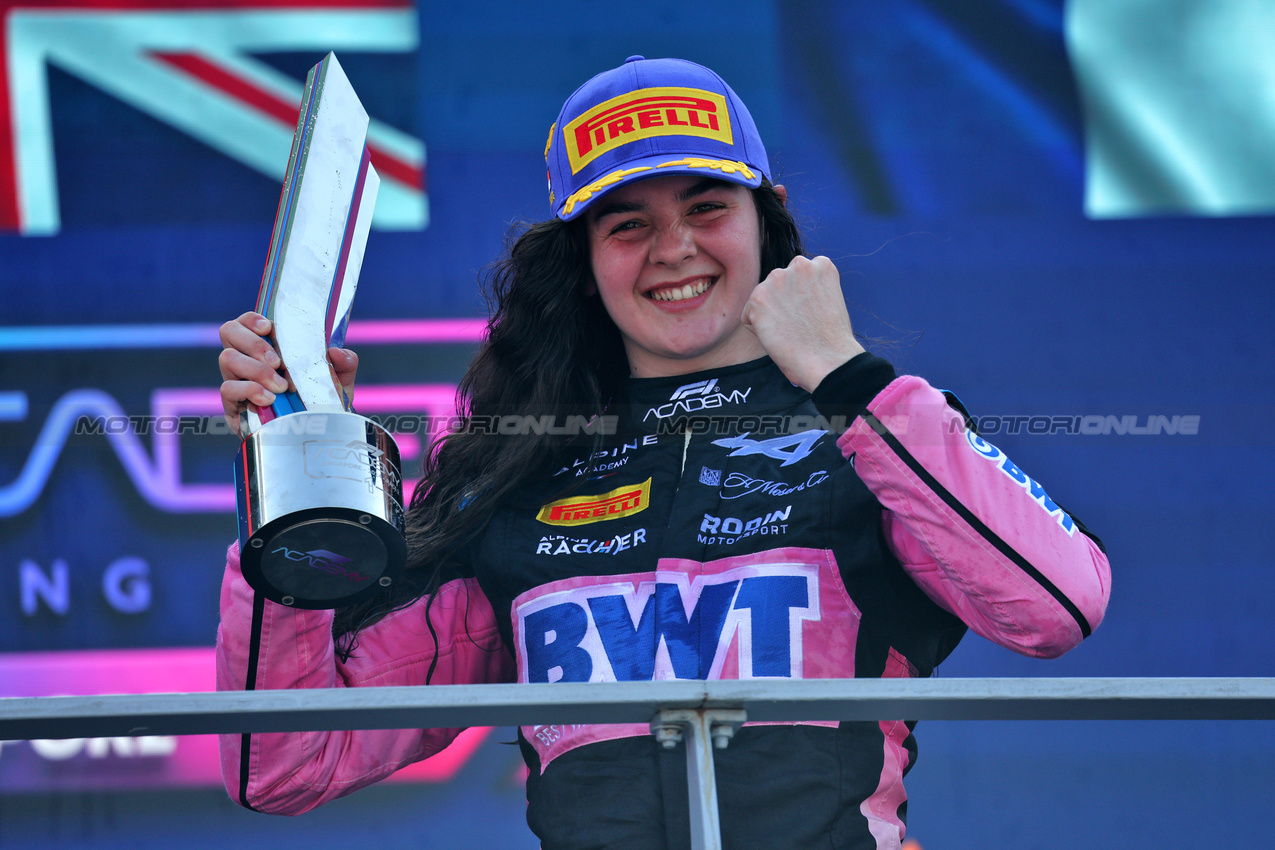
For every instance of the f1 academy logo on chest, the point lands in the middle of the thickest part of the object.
(695, 398)
(744, 622)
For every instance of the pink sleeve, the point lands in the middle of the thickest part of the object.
(289, 773)
(976, 533)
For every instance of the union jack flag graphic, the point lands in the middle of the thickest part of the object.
(189, 65)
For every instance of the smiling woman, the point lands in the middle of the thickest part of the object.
(675, 260)
(772, 503)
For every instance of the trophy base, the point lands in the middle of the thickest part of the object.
(320, 510)
(325, 558)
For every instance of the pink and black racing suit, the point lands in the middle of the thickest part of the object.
(722, 533)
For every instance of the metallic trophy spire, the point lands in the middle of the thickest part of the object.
(320, 496)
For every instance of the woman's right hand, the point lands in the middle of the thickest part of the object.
(252, 372)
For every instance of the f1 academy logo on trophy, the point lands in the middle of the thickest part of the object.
(320, 496)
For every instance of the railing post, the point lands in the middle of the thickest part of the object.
(707, 729)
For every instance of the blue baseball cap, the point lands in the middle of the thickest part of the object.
(646, 118)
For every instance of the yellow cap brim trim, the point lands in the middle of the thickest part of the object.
(726, 166)
(598, 185)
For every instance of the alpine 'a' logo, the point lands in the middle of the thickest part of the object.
(790, 448)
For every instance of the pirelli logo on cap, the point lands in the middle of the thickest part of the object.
(581, 510)
(643, 114)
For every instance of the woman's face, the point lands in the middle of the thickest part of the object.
(675, 259)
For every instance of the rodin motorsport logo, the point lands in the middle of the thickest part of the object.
(324, 561)
(727, 530)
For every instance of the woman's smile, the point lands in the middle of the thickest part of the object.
(681, 293)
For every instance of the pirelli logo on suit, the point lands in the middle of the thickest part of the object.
(582, 510)
(643, 114)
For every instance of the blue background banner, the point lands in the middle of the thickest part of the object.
(1026, 202)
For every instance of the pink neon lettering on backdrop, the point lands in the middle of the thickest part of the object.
(389, 331)
(194, 761)
(157, 474)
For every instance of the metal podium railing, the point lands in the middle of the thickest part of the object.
(701, 714)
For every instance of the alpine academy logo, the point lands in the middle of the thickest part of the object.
(643, 114)
(580, 510)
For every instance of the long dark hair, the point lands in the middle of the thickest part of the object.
(550, 349)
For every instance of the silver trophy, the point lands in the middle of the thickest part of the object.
(320, 494)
